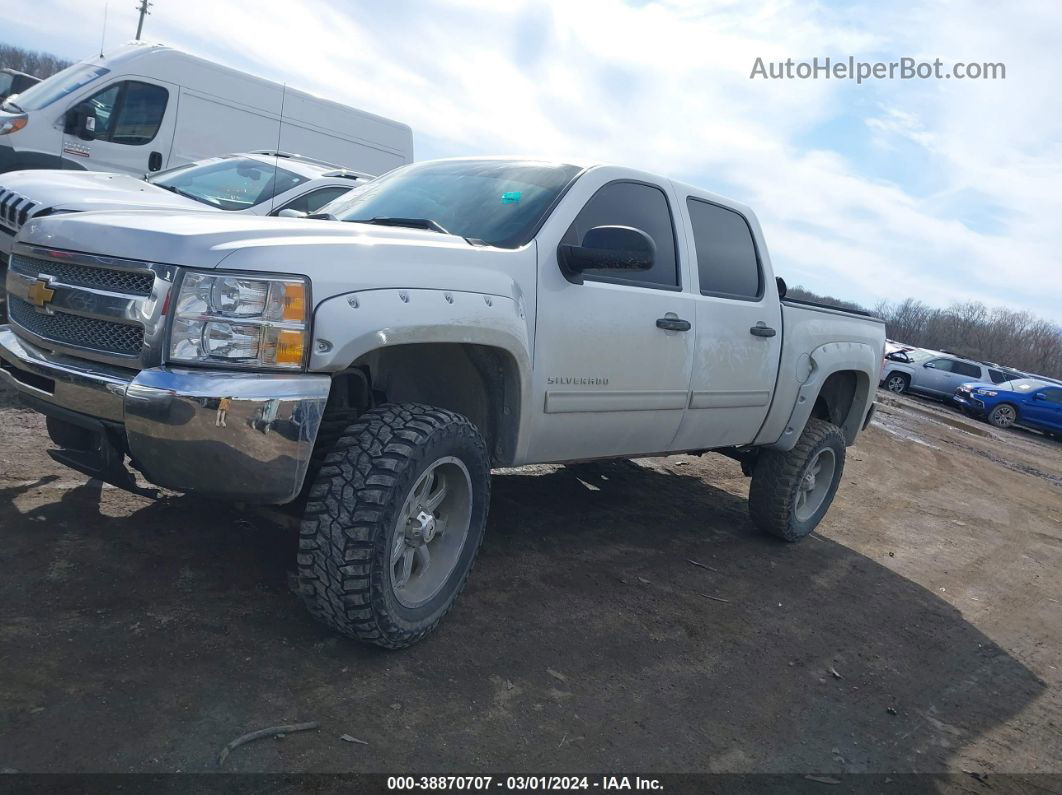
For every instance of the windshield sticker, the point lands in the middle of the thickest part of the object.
(511, 197)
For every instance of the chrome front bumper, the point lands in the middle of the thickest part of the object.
(178, 428)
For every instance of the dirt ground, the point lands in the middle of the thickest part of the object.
(919, 629)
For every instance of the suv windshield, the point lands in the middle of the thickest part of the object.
(59, 85)
(232, 183)
(498, 202)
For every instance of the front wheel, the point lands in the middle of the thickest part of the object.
(1003, 416)
(792, 490)
(393, 523)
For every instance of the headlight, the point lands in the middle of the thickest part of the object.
(986, 392)
(241, 320)
(13, 124)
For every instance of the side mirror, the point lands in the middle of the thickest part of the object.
(290, 213)
(930, 365)
(621, 248)
(1040, 396)
(783, 288)
(81, 121)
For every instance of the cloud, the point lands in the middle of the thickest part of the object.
(944, 190)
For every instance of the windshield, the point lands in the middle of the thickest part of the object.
(499, 202)
(232, 183)
(919, 355)
(59, 85)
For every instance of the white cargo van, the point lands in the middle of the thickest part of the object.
(146, 107)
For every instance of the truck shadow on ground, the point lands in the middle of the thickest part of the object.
(586, 640)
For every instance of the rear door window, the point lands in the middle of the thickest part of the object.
(966, 369)
(727, 263)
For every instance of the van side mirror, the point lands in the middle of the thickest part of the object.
(622, 248)
(81, 121)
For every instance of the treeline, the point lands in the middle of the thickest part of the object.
(41, 64)
(1009, 337)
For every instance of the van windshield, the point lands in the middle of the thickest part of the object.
(58, 86)
(231, 183)
(498, 202)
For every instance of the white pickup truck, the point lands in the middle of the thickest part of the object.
(371, 367)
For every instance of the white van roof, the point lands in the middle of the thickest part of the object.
(182, 68)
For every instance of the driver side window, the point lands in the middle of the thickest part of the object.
(127, 113)
(944, 365)
(640, 206)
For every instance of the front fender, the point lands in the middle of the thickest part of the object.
(348, 326)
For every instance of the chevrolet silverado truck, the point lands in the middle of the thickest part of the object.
(371, 367)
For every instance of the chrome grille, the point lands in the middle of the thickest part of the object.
(84, 332)
(105, 309)
(118, 281)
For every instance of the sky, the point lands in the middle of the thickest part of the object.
(939, 189)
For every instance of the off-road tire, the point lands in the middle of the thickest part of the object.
(994, 416)
(346, 532)
(777, 476)
(899, 377)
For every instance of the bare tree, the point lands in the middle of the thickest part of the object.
(41, 64)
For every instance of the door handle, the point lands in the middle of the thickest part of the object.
(760, 330)
(154, 161)
(673, 324)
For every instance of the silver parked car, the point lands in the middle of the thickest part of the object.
(936, 373)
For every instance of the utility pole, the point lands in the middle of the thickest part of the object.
(144, 6)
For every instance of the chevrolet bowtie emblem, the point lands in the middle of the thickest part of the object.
(40, 293)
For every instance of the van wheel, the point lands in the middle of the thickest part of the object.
(792, 490)
(393, 523)
(897, 383)
(1003, 416)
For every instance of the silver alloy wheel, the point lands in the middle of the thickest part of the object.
(431, 531)
(896, 383)
(811, 492)
(1005, 416)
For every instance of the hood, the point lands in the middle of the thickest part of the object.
(337, 256)
(93, 190)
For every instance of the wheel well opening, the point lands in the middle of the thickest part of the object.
(478, 381)
(839, 400)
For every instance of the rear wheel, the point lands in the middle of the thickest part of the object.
(897, 383)
(393, 523)
(792, 490)
(1003, 416)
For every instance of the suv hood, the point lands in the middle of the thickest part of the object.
(93, 190)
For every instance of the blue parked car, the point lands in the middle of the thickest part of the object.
(1026, 401)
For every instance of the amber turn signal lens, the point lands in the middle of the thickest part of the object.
(289, 348)
(294, 302)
